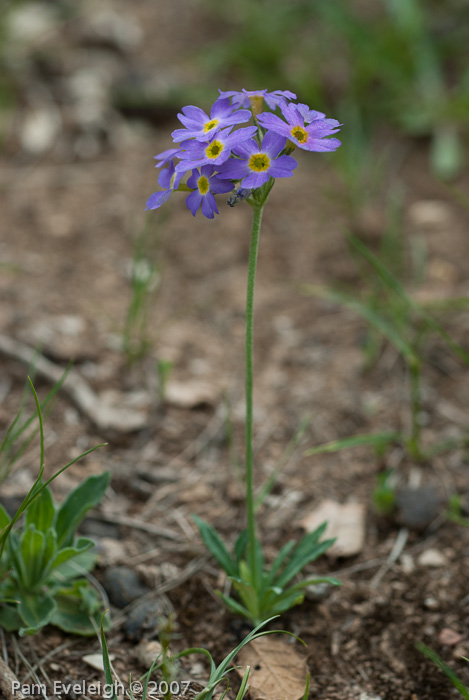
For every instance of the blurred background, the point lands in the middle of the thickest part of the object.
(71, 73)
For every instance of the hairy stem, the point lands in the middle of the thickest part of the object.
(250, 506)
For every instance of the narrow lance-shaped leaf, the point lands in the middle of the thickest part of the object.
(41, 512)
(216, 546)
(377, 440)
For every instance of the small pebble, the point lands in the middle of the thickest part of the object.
(418, 507)
(432, 558)
(123, 585)
(143, 620)
(449, 637)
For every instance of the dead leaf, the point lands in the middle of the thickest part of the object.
(346, 522)
(278, 672)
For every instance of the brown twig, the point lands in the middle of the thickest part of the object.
(99, 412)
(8, 681)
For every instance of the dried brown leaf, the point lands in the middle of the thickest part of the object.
(278, 672)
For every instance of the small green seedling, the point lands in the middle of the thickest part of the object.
(41, 561)
(384, 494)
(264, 592)
(144, 280)
(218, 674)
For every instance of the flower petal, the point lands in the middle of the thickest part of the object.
(156, 199)
(195, 113)
(273, 143)
(193, 201)
(255, 180)
(219, 187)
(209, 206)
(233, 170)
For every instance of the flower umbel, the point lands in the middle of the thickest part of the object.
(252, 156)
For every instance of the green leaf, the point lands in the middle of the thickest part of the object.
(106, 660)
(77, 504)
(15, 560)
(50, 547)
(455, 680)
(378, 440)
(32, 551)
(234, 606)
(249, 596)
(78, 609)
(278, 561)
(307, 550)
(4, 518)
(240, 545)
(10, 619)
(81, 545)
(284, 602)
(35, 611)
(306, 693)
(41, 511)
(216, 546)
(314, 581)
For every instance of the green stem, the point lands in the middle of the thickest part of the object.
(415, 409)
(250, 506)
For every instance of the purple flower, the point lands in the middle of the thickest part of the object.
(301, 132)
(205, 184)
(202, 127)
(216, 151)
(169, 179)
(258, 163)
(308, 114)
(166, 156)
(273, 99)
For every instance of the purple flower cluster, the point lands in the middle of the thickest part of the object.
(222, 159)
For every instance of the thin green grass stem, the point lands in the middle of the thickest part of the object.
(415, 401)
(250, 505)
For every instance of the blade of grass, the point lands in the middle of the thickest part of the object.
(392, 283)
(455, 680)
(375, 319)
(376, 439)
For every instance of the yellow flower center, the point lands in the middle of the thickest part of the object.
(299, 134)
(202, 184)
(210, 125)
(214, 149)
(259, 162)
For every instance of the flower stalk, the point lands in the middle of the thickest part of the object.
(249, 347)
